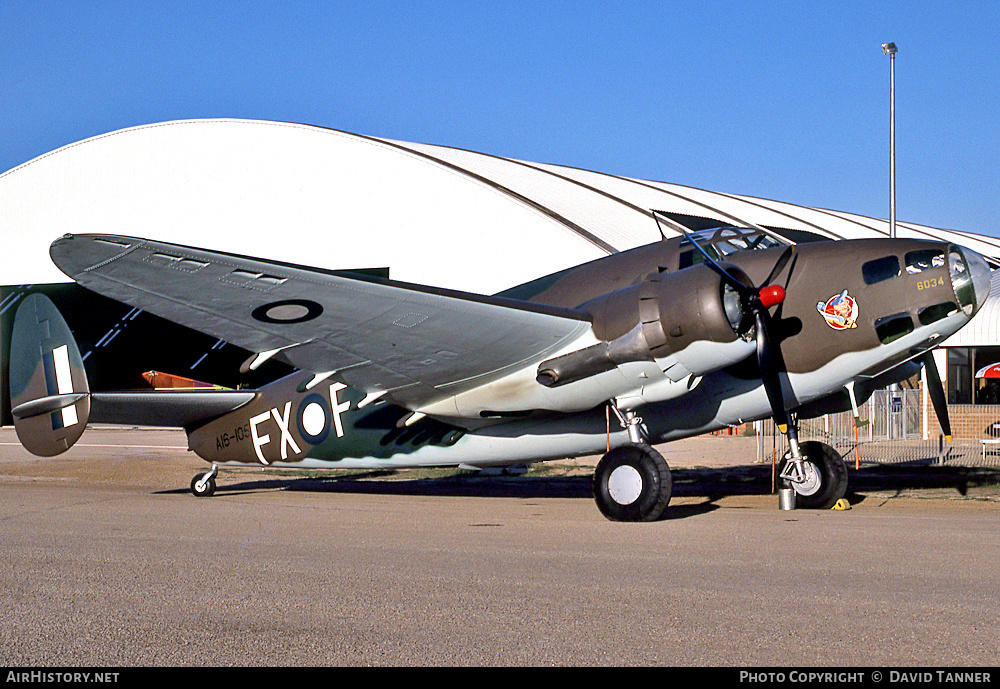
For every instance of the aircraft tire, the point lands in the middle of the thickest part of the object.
(830, 477)
(632, 483)
(207, 492)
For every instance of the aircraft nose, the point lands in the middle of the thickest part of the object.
(981, 277)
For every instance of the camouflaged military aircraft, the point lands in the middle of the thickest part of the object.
(695, 333)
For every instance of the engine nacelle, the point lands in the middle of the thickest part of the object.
(689, 321)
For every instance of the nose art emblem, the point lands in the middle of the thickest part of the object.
(839, 311)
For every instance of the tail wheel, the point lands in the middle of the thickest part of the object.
(203, 486)
(632, 483)
(825, 476)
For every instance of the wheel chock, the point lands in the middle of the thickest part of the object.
(841, 504)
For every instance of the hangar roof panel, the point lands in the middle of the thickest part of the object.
(612, 222)
(304, 194)
(286, 192)
(982, 330)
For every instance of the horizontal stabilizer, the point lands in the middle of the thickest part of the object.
(46, 405)
(49, 394)
(167, 408)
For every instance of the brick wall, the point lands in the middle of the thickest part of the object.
(968, 421)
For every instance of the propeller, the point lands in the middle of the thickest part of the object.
(758, 300)
(936, 391)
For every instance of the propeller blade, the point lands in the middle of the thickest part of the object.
(768, 355)
(936, 391)
(779, 265)
(768, 358)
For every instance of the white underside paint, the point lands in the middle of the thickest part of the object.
(738, 401)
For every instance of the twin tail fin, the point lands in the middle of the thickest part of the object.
(49, 393)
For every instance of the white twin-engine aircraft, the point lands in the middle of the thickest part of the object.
(671, 339)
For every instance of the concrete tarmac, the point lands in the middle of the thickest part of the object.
(108, 560)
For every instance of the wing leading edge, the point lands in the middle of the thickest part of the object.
(416, 344)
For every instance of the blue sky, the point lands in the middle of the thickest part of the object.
(783, 100)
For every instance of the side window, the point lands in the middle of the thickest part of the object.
(929, 314)
(925, 259)
(880, 269)
(893, 327)
(693, 257)
(689, 258)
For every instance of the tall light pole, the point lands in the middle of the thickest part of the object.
(890, 50)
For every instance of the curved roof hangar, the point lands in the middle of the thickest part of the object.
(316, 196)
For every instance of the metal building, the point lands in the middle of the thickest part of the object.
(430, 214)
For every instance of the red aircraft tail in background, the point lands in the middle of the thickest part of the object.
(168, 381)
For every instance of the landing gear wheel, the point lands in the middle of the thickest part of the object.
(825, 476)
(632, 484)
(203, 488)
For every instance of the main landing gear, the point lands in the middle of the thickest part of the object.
(819, 477)
(632, 483)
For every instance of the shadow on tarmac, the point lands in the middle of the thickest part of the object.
(710, 484)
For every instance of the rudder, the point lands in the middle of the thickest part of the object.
(49, 393)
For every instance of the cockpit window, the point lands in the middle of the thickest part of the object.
(729, 240)
(719, 242)
(880, 269)
(925, 259)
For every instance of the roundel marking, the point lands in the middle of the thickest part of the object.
(313, 419)
(288, 311)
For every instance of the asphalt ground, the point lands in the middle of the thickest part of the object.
(109, 561)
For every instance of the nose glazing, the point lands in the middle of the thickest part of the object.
(981, 277)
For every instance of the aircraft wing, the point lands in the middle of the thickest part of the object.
(416, 344)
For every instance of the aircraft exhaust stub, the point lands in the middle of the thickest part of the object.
(650, 322)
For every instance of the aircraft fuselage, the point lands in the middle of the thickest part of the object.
(856, 311)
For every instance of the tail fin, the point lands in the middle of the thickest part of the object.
(49, 395)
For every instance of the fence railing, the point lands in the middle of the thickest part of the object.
(896, 427)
